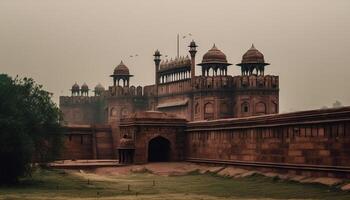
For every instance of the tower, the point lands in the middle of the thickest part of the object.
(121, 72)
(256, 93)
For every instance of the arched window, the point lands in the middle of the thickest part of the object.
(245, 107)
(260, 108)
(208, 111)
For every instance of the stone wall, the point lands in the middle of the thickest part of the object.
(88, 142)
(319, 137)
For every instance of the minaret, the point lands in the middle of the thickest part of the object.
(157, 62)
(193, 52)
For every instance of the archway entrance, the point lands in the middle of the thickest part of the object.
(158, 149)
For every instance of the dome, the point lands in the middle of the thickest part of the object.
(214, 55)
(99, 87)
(121, 69)
(84, 87)
(75, 87)
(126, 143)
(253, 56)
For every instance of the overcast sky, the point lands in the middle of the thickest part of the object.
(61, 42)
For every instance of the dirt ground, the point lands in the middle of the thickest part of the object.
(183, 168)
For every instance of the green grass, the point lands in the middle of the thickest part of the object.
(57, 184)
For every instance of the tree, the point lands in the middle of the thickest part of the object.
(30, 129)
(337, 104)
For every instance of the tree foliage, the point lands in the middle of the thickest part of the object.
(30, 129)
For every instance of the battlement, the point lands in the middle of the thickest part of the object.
(236, 82)
(75, 100)
(256, 82)
(120, 91)
(212, 82)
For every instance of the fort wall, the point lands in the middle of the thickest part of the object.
(319, 137)
(88, 142)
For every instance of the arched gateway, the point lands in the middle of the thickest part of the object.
(158, 149)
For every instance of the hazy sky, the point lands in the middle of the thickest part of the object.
(61, 42)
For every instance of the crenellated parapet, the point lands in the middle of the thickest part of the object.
(256, 82)
(213, 83)
(79, 100)
(119, 91)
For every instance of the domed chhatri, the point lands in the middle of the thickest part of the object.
(99, 89)
(121, 69)
(216, 60)
(253, 60)
(121, 72)
(75, 89)
(84, 90)
(84, 87)
(253, 56)
(214, 55)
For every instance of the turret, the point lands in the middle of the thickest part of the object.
(193, 52)
(214, 60)
(75, 90)
(157, 62)
(253, 62)
(121, 72)
(84, 90)
(99, 89)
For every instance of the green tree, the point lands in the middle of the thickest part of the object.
(30, 129)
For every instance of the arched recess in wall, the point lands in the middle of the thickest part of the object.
(196, 108)
(274, 107)
(124, 113)
(245, 107)
(260, 108)
(113, 112)
(208, 111)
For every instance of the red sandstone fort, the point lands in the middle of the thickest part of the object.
(211, 118)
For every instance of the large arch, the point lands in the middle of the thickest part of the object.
(159, 149)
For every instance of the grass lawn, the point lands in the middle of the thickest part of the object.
(58, 184)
